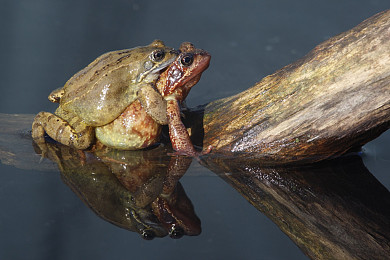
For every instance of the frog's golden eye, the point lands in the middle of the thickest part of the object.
(158, 55)
(187, 59)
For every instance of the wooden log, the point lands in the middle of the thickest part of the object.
(335, 98)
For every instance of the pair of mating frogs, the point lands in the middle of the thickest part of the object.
(124, 97)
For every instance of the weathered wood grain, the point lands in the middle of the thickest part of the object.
(335, 98)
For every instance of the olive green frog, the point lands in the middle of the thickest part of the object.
(101, 92)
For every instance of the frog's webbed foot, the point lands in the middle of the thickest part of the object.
(38, 135)
(207, 150)
(41, 148)
(61, 131)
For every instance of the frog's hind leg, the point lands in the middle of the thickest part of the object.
(80, 137)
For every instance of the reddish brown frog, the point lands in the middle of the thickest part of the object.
(174, 85)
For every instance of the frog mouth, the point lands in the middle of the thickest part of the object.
(182, 80)
(162, 67)
(155, 72)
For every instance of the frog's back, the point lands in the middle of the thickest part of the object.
(94, 71)
(100, 92)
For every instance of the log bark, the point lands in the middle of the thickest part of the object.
(335, 98)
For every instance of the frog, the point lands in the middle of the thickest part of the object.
(134, 126)
(174, 85)
(99, 93)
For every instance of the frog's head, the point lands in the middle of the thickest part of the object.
(176, 213)
(177, 80)
(154, 58)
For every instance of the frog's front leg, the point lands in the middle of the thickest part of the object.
(80, 136)
(178, 166)
(178, 134)
(153, 103)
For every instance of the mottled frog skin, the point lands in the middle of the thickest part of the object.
(102, 91)
(136, 128)
(174, 85)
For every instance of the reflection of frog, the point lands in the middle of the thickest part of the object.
(152, 178)
(174, 85)
(99, 93)
(136, 190)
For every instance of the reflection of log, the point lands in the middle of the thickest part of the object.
(336, 210)
(335, 98)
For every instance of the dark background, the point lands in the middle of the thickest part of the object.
(44, 42)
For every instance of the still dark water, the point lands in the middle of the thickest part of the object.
(45, 42)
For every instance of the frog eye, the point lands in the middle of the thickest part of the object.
(148, 234)
(176, 232)
(187, 59)
(158, 55)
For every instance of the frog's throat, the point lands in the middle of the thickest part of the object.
(152, 74)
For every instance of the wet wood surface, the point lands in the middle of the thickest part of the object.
(335, 98)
